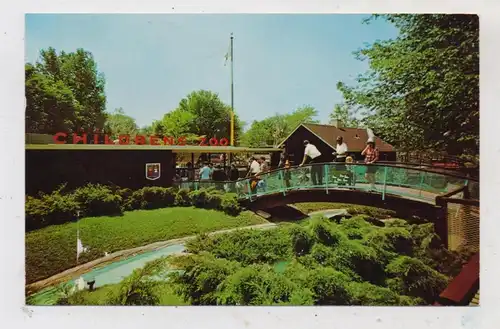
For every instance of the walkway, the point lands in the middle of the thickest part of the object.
(421, 184)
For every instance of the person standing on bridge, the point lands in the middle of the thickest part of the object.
(340, 150)
(313, 154)
(253, 173)
(371, 156)
(284, 166)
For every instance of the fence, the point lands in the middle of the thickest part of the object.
(462, 214)
(417, 183)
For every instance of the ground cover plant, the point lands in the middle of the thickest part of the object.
(52, 249)
(314, 262)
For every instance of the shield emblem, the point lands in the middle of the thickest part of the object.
(153, 171)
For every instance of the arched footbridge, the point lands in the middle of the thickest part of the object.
(448, 199)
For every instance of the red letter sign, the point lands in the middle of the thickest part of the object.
(77, 139)
(59, 141)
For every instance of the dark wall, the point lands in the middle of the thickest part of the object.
(294, 146)
(47, 169)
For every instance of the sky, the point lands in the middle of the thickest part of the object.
(151, 62)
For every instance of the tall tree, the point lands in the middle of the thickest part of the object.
(271, 131)
(118, 123)
(201, 113)
(343, 113)
(65, 87)
(50, 105)
(422, 89)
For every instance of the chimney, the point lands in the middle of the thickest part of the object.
(337, 123)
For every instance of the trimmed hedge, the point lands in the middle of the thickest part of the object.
(99, 200)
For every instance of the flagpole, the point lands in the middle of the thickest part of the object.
(77, 235)
(232, 92)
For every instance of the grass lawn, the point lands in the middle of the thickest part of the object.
(53, 249)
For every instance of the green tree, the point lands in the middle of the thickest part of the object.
(343, 113)
(273, 130)
(421, 91)
(201, 113)
(64, 91)
(50, 105)
(118, 123)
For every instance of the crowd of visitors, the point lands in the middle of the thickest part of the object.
(258, 166)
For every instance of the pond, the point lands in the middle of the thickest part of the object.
(109, 274)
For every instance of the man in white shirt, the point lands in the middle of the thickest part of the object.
(340, 153)
(340, 150)
(313, 154)
(253, 173)
(254, 168)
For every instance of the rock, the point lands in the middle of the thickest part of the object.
(333, 214)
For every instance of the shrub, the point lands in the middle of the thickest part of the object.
(364, 293)
(200, 277)
(230, 204)
(325, 232)
(50, 209)
(199, 198)
(98, 200)
(252, 246)
(362, 260)
(125, 194)
(200, 243)
(356, 228)
(328, 286)
(256, 285)
(182, 198)
(301, 240)
(410, 276)
(392, 239)
(323, 255)
(153, 197)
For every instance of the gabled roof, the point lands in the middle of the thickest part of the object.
(355, 138)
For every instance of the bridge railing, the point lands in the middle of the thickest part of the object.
(396, 179)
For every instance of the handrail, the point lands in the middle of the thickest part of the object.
(362, 164)
(417, 183)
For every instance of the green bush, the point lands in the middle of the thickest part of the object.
(50, 209)
(323, 255)
(324, 231)
(125, 194)
(153, 197)
(410, 276)
(97, 200)
(256, 285)
(200, 277)
(301, 239)
(252, 246)
(364, 293)
(200, 243)
(182, 198)
(230, 204)
(199, 198)
(362, 260)
(392, 239)
(328, 286)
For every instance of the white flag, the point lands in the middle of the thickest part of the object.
(227, 57)
(371, 135)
